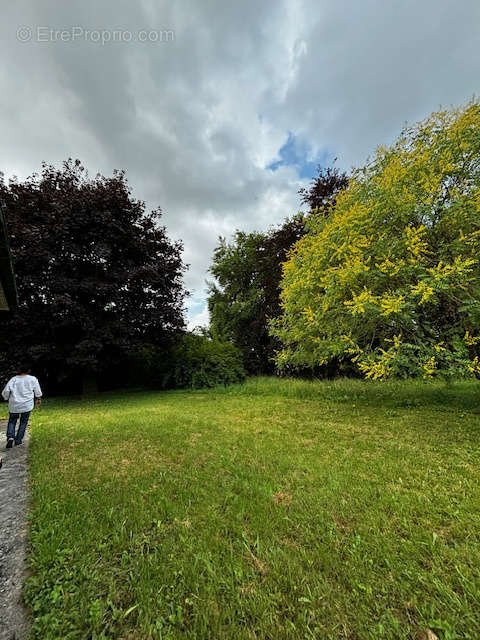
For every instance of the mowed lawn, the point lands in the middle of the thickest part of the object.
(273, 509)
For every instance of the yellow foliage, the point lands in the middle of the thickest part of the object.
(309, 315)
(416, 242)
(429, 367)
(459, 267)
(391, 303)
(397, 341)
(471, 340)
(474, 365)
(399, 247)
(424, 290)
(358, 302)
(377, 369)
(389, 267)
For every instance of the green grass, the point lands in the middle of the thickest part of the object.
(275, 509)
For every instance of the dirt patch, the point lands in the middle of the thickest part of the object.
(257, 564)
(283, 498)
(342, 525)
(290, 542)
(13, 537)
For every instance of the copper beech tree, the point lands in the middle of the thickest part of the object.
(97, 275)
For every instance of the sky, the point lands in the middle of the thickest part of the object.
(221, 111)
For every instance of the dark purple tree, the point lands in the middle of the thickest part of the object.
(97, 276)
(321, 194)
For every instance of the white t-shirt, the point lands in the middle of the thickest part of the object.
(20, 392)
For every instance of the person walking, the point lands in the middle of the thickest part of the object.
(23, 393)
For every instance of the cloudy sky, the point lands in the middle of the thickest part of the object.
(220, 111)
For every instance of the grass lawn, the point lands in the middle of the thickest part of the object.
(274, 509)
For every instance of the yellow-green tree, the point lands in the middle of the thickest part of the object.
(390, 283)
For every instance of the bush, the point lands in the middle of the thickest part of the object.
(201, 362)
(196, 361)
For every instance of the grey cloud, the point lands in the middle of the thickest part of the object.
(386, 63)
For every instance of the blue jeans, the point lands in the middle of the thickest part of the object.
(12, 423)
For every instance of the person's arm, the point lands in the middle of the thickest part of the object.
(6, 391)
(37, 392)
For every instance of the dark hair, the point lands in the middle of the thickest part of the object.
(24, 367)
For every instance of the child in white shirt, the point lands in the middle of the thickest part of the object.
(23, 393)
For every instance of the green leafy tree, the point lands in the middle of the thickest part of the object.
(247, 293)
(236, 300)
(390, 283)
(248, 270)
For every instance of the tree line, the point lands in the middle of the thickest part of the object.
(378, 276)
(381, 278)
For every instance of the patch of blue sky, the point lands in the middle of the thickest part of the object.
(195, 305)
(298, 154)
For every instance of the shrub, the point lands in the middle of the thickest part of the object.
(201, 362)
(196, 361)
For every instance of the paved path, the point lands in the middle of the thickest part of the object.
(13, 536)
